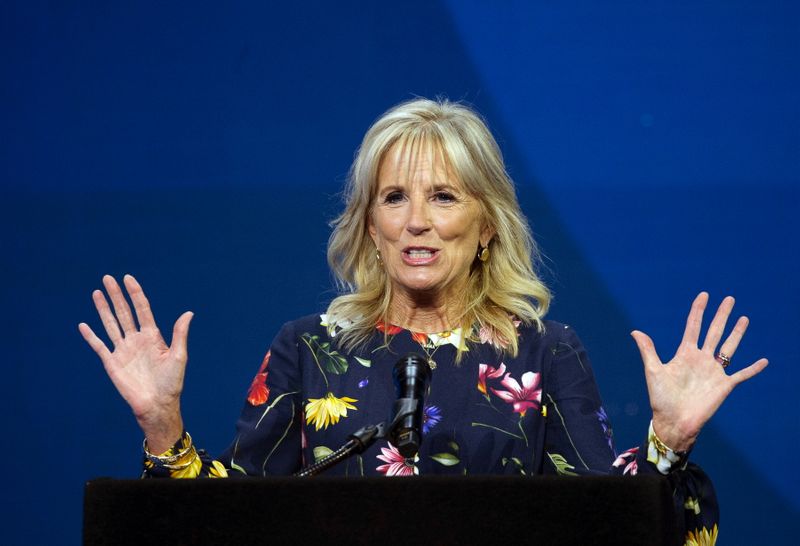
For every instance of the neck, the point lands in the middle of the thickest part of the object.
(425, 313)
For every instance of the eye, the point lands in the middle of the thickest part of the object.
(444, 197)
(393, 197)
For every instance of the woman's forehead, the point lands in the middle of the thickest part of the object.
(411, 163)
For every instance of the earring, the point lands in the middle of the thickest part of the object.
(483, 254)
(378, 256)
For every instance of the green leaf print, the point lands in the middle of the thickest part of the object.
(320, 452)
(446, 459)
(326, 357)
(561, 464)
(363, 361)
(516, 462)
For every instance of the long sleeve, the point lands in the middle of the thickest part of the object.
(578, 440)
(268, 432)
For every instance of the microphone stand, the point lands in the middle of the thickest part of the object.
(363, 438)
(358, 442)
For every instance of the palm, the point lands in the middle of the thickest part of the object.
(145, 370)
(686, 391)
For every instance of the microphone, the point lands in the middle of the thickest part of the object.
(411, 375)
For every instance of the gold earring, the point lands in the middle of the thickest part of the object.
(378, 256)
(483, 254)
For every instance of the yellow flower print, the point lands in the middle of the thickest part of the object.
(327, 411)
(217, 470)
(702, 537)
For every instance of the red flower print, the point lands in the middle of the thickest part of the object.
(487, 372)
(529, 395)
(259, 392)
(419, 337)
(390, 329)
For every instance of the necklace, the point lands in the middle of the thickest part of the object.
(430, 343)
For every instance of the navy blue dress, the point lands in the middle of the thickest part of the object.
(537, 413)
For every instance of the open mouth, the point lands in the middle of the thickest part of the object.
(419, 255)
(416, 253)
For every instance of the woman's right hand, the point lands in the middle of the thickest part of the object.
(146, 372)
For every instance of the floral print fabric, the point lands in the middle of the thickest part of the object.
(537, 413)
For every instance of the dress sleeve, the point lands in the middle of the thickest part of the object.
(578, 441)
(268, 433)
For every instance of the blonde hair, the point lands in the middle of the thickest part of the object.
(503, 289)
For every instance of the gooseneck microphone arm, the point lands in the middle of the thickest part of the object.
(357, 442)
(411, 376)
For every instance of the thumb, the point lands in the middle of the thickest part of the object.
(646, 348)
(180, 334)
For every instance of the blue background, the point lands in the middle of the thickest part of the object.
(655, 145)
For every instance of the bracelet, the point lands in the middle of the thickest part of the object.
(182, 466)
(170, 458)
(660, 454)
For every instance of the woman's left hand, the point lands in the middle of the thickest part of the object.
(686, 391)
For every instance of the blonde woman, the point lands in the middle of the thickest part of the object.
(434, 256)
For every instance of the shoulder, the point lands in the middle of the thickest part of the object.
(313, 324)
(552, 333)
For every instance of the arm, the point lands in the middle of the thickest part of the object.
(579, 442)
(145, 370)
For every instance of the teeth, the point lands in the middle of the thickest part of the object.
(420, 253)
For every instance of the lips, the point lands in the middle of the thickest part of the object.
(419, 255)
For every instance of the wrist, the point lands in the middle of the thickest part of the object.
(679, 439)
(665, 458)
(162, 431)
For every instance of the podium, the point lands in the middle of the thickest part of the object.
(435, 510)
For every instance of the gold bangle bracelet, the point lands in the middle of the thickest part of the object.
(182, 466)
(185, 439)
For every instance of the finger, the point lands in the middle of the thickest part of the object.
(180, 334)
(752, 370)
(717, 326)
(646, 348)
(121, 308)
(140, 302)
(732, 342)
(94, 342)
(694, 321)
(107, 317)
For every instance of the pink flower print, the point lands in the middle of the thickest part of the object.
(529, 395)
(628, 457)
(488, 372)
(491, 336)
(397, 464)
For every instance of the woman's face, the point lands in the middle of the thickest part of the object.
(426, 227)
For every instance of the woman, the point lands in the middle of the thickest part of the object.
(434, 256)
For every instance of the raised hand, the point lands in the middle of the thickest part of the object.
(145, 370)
(686, 391)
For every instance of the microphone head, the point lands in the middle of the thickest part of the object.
(411, 375)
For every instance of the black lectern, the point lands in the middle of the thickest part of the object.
(419, 510)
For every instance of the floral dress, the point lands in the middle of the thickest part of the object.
(537, 413)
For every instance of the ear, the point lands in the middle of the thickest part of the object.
(373, 232)
(487, 234)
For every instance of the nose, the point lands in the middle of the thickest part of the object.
(419, 220)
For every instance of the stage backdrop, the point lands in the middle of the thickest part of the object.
(655, 145)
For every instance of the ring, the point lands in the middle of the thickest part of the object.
(723, 359)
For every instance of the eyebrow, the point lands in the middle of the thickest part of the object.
(434, 188)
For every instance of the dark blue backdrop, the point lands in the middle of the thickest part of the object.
(656, 147)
